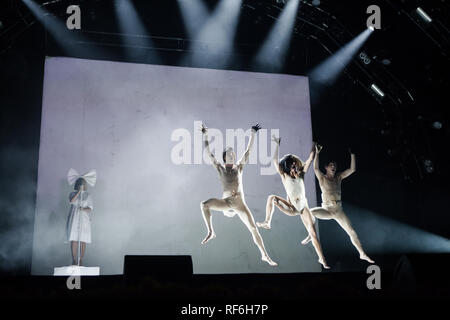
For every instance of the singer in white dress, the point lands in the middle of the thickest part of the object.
(78, 225)
(79, 220)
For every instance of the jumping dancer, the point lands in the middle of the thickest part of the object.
(232, 201)
(292, 171)
(330, 185)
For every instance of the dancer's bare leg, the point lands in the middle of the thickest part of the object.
(74, 247)
(320, 213)
(247, 218)
(207, 206)
(307, 220)
(282, 204)
(342, 219)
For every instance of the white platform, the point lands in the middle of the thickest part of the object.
(76, 271)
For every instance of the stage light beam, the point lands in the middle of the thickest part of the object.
(383, 235)
(135, 35)
(194, 13)
(67, 39)
(214, 44)
(328, 70)
(273, 52)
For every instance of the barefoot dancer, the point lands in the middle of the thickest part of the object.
(330, 184)
(233, 201)
(292, 171)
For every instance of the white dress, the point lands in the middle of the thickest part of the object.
(78, 225)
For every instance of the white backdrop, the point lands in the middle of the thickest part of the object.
(122, 119)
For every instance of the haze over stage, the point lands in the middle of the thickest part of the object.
(120, 118)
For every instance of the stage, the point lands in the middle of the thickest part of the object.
(191, 154)
(403, 277)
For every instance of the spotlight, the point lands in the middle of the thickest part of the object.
(437, 125)
(272, 53)
(328, 70)
(386, 61)
(377, 90)
(194, 13)
(423, 15)
(133, 31)
(371, 28)
(364, 57)
(213, 42)
(428, 164)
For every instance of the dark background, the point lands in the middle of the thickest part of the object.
(391, 138)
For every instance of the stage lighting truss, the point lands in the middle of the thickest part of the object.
(321, 26)
(312, 23)
(431, 18)
(21, 19)
(14, 23)
(318, 25)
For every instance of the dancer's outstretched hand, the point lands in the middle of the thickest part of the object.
(350, 151)
(277, 140)
(256, 127)
(318, 148)
(204, 129)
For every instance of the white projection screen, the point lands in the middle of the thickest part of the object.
(138, 125)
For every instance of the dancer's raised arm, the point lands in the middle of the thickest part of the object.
(244, 159)
(214, 161)
(310, 158)
(344, 174)
(276, 155)
(317, 171)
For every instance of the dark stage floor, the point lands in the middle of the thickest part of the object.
(402, 277)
